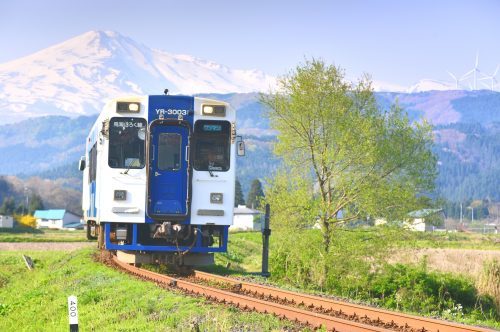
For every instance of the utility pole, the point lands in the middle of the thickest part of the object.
(472, 211)
(26, 204)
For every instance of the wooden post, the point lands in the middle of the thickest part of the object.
(266, 232)
(29, 262)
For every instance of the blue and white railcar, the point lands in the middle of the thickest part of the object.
(158, 178)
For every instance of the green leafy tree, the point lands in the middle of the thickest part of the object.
(354, 159)
(255, 194)
(238, 198)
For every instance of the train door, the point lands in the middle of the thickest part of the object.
(169, 170)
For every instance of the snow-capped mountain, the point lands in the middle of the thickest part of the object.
(381, 86)
(79, 75)
(430, 85)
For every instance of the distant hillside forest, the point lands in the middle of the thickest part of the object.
(26, 195)
(469, 161)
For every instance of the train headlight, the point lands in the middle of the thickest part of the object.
(128, 107)
(120, 195)
(214, 110)
(216, 198)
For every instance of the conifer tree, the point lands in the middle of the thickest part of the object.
(35, 203)
(238, 197)
(8, 206)
(254, 195)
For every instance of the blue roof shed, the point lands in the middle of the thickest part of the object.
(50, 214)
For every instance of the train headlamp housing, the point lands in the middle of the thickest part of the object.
(214, 110)
(128, 107)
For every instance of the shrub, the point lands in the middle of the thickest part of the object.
(355, 268)
(26, 220)
(353, 258)
(413, 288)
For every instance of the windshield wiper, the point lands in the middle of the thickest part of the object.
(128, 169)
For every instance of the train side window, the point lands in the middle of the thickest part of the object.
(212, 145)
(93, 163)
(126, 142)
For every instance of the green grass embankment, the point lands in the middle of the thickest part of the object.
(108, 300)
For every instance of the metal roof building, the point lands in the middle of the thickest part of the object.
(58, 219)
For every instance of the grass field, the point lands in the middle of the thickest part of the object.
(25, 234)
(108, 300)
(458, 240)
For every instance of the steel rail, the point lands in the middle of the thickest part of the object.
(416, 322)
(248, 302)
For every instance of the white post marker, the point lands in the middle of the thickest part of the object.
(73, 314)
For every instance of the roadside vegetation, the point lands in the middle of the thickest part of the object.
(108, 300)
(363, 271)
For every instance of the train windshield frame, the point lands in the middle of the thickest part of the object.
(212, 145)
(127, 144)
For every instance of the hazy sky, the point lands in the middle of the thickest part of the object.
(395, 41)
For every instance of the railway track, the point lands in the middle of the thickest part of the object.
(313, 310)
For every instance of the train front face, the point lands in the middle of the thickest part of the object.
(186, 174)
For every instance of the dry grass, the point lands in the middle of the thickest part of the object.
(482, 266)
(468, 262)
(489, 280)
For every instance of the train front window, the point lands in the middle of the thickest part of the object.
(212, 145)
(169, 152)
(126, 142)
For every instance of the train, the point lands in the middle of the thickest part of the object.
(159, 178)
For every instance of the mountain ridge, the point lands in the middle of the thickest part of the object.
(77, 76)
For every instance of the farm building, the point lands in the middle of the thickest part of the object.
(425, 220)
(6, 222)
(246, 219)
(58, 219)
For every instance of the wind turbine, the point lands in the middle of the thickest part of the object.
(474, 71)
(455, 78)
(492, 78)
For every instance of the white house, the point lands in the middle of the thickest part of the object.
(246, 219)
(58, 219)
(424, 220)
(6, 222)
